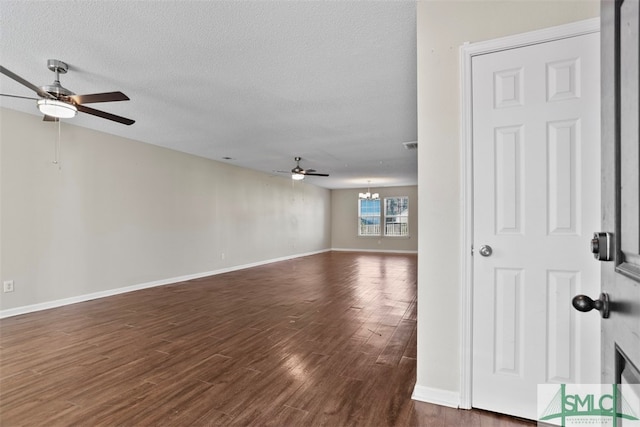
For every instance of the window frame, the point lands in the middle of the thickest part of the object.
(377, 216)
(403, 225)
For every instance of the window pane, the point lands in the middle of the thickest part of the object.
(397, 206)
(370, 207)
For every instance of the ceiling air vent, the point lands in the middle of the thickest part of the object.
(413, 145)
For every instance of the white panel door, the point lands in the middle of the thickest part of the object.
(536, 160)
(621, 191)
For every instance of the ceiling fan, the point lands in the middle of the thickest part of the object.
(298, 173)
(57, 102)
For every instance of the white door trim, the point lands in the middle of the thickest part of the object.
(467, 52)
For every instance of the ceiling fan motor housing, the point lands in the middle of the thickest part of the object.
(297, 169)
(56, 89)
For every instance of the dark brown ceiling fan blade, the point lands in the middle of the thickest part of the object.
(50, 119)
(18, 96)
(99, 97)
(314, 174)
(105, 115)
(23, 82)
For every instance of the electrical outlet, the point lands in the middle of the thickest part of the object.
(222, 255)
(7, 286)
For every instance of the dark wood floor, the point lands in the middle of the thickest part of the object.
(328, 339)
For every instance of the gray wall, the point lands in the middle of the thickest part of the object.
(443, 26)
(118, 213)
(344, 221)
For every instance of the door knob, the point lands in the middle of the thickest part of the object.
(584, 303)
(485, 250)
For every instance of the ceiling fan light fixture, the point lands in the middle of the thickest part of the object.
(297, 176)
(57, 109)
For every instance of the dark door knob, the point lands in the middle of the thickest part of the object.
(584, 303)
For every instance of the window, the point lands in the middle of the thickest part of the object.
(369, 217)
(396, 216)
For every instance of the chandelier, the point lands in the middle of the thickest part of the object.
(368, 195)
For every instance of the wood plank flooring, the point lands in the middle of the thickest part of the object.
(328, 339)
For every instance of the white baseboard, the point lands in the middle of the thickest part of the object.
(111, 292)
(374, 251)
(436, 396)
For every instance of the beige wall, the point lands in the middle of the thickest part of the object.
(443, 26)
(344, 221)
(120, 213)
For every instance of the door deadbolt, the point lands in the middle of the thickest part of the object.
(601, 246)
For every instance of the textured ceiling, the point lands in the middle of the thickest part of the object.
(258, 81)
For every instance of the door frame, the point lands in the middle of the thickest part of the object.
(467, 52)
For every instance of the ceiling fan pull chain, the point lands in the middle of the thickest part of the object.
(57, 147)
